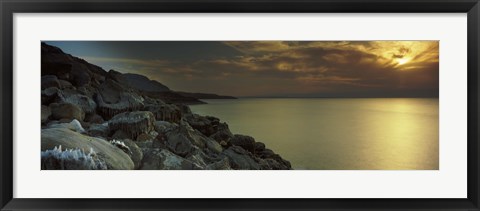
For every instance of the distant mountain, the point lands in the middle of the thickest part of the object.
(142, 83)
(78, 72)
(205, 95)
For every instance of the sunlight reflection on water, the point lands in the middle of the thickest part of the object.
(374, 133)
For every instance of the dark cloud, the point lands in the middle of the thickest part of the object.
(275, 68)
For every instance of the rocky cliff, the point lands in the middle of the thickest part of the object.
(94, 119)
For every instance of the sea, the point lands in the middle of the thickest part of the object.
(338, 133)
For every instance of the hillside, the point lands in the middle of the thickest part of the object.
(92, 119)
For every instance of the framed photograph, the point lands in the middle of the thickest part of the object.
(242, 105)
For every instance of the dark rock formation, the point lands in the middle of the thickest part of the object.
(246, 142)
(50, 81)
(66, 111)
(113, 157)
(240, 159)
(142, 83)
(163, 159)
(133, 123)
(94, 119)
(45, 113)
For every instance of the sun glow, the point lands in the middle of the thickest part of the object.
(402, 61)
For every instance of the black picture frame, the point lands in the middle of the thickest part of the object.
(9, 7)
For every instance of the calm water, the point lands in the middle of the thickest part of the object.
(375, 133)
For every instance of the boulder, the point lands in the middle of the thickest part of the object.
(82, 101)
(74, 125)
(133, 123)
(274, 160)
(206, 125)
(113, 157)
(165, 112)
(182, 140)
(120, 134)
(71, 159)
(259, 146)
(162, 159)
(246, 142)
(50, 95)
(65, 84)
(136, 153)
(94, 118)
(144, 137)
(213, 146)
(81, 77)
(184, 109)
(121, 145)
(223, 135)
(223, 164)
(50, 81)
(240, 159)
(66, 111)
(112, 99)
(57, 68)
(45, 113)
(163, 127)
(98, 130)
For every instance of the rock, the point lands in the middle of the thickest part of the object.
(143, 83)
(163, 126)
(266, 153)
(259, 146)
(184, 109)
(206, 125)
(180, 142)
(82, 101)
(270, 156)
(82, 77)
(213, 146)
(274, 165)
(65, 84)
(246, 142)
(74, 125)
(49, 95)
(144, 137)
(94, 118)
(146, 145)
(199, 158)
(57, 68)
(240, 159)
(113, 157)
(121, 145)
(99, 130)
(120, 134)
(66, 111)
(223, 164)
(162, 159)
(45, 113)
(223, 134)
(117, 76)
(200, 123)
(133, 123)
(165, 112)
(50, 81)
(136, 153)
(70, 159)
(113, 99)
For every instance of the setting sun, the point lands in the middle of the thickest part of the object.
(402, 61)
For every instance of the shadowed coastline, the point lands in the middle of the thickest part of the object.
(94, 119)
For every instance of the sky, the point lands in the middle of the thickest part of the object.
(274, 68)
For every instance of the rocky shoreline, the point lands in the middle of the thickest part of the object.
(94, 119)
